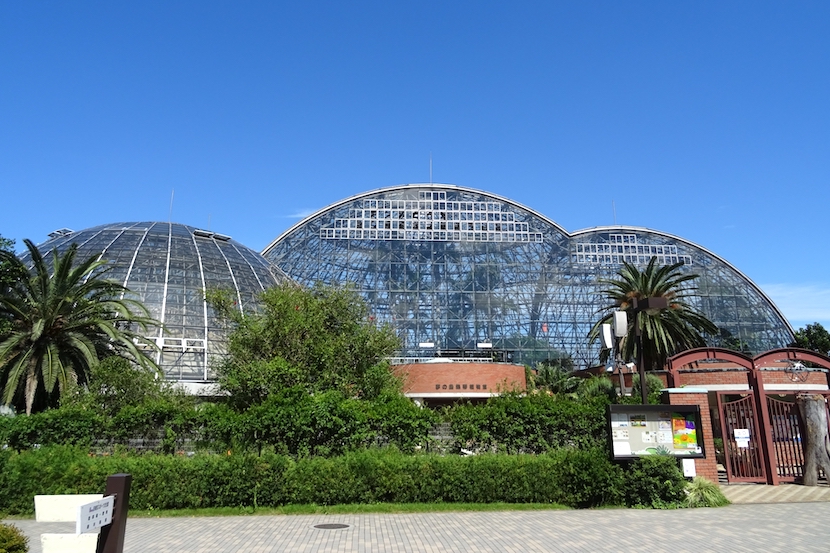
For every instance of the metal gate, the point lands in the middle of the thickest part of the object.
(785, 422)
(744, 458)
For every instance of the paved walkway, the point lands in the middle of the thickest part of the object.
(785, 527)
(785, 493)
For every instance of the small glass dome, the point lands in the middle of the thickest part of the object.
(168, 266)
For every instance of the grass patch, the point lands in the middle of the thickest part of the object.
(348, 509)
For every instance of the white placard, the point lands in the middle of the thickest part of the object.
(743, 443)
(92, 516)
(689, 470)
(622, 448)
(741, 433)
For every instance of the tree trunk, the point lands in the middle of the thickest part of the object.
(816, 440)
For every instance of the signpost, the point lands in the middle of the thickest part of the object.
(111, 539)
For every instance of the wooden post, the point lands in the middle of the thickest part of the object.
(816, 440)
(111, 539)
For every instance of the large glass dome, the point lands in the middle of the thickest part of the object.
(456, 269)
(168, 266)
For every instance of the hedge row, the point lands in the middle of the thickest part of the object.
(297, 423)
(293, 423)
(534, 423)
(577, 478)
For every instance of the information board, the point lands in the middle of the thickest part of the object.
(640, 430)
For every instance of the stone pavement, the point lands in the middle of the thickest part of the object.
(790, 527)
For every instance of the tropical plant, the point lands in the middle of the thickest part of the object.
(665, 332)
(64, 319)
(703, 493)
(8, 277)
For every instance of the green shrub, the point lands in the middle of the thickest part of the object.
(12, 540)
(654, 482)
(534, 423)
(703, 493)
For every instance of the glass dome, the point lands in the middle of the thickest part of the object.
(168, 266)
(457, 270)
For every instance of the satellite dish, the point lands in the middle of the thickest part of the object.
(607, 341)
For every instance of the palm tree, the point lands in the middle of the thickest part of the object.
(665, 331)
(62, 323)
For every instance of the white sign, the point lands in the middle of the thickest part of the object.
(689, 470)
(741, 433)
(742, 443)
(92, 516)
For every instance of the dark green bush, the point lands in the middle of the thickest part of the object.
(534, 423)
(655, 481)
(571, 477)
(292, 422)
(12, 540)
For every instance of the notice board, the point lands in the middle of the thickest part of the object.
(641, 430)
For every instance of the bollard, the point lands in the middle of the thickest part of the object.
(111, 539)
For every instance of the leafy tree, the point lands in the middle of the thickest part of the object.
(665, 331)
(116, 383)
(319, 339)
(8, 278)
(63, 321)
(727, 340)
(814, 337)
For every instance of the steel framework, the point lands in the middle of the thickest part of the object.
(457, 267)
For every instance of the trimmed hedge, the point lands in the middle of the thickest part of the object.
(292, 423)
(535, 423)
(577, 478)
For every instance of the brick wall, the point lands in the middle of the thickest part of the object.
(707, 467)
(461, 378)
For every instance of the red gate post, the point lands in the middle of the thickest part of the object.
(708, 466)
(111, 539)
(770, 464)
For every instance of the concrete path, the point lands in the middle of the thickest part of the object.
(785, 493)
(786, 527)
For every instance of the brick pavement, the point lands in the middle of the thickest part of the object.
(790, 527)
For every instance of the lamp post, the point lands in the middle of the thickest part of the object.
(638, 306)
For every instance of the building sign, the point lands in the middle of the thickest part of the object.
(95, 515)
(468, 387)
(640, 430)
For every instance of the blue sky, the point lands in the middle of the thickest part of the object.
(707, 120)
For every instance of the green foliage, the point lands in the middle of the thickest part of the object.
(654, 482)
(813, 337)
(727, 340)
(64, 320)
(9, 276)
(654, 394)
(291, 422)
(319, 339)
(703, 493)
(12, 540)
(569, 477)
(665, 331)
(534, 423)
(115, 384)
(555, 378)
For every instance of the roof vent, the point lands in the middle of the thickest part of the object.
(60, 232)
(209, 234)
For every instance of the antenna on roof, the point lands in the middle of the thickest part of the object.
(430, 167)
(614, 209)
(170, 216)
